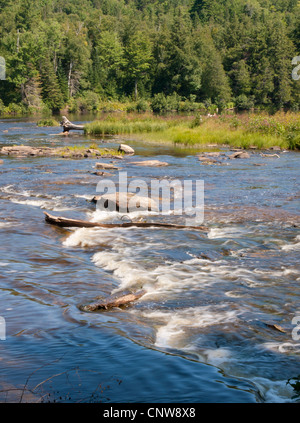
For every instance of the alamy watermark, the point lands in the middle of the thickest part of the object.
(2, 329)
(2, 69)
(181, 198)
(296, 330)
(296, 70)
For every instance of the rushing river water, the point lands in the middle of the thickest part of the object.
(204, 331)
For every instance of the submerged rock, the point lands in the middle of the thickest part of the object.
(205, 159)
(101, 173)
(213, 154)
(105, 166)
(24, 150)
(211, 158)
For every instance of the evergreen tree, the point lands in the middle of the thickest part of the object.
(211, 50)
(51, 91)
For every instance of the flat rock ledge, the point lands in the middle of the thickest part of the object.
(64, 152)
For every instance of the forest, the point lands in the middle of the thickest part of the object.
(83, 55)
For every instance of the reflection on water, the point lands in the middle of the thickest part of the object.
(207, 323)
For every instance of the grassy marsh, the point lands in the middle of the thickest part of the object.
(240, 131)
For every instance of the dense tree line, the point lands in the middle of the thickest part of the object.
(209, 51)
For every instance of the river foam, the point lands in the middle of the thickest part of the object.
(292, 247)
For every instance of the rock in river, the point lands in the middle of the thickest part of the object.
(150, 163)
(240, 155)
(105, 166)
(124, 202)
(126, 149)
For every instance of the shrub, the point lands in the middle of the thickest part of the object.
(159, 103)
(197, 121)
(88, 102)
(244, 103)
(142, 106)
(47, 122)
(1, 107)
(15, 109)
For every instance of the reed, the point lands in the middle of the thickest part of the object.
(127, 124)
(244, 131)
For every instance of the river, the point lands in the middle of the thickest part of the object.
(216, 324)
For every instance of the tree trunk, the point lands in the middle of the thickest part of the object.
(69, 79)
(136, 89)
(67, 125)
(73, 223)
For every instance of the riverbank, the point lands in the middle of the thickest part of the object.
(245, 131)
(240, 131)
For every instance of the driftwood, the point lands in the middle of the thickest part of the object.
(275, 326)
(111, 302)
(67, 125)
(270, 155)
(73, 223)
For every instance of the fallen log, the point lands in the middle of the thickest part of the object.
(270, 155)
(275, 326)
(111, 302)
(67, 125)
(73, 223)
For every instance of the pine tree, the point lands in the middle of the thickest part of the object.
(51, 91)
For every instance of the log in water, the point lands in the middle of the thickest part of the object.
(73, 223)
(67, 125)
(113, 301)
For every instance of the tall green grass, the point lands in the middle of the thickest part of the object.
(129, 125)
(245, 131)
(122, 128)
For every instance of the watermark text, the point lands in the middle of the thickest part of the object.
(296, 330)
(2, 69)
(182, 198)
(2, 329)
(296, 70)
